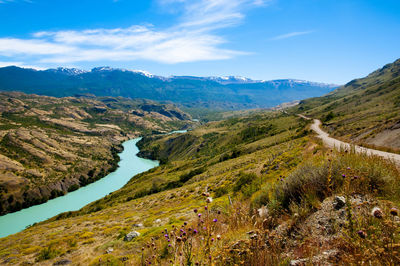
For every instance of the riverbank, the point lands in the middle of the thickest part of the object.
(129, 165)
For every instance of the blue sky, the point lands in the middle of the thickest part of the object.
(330, 41)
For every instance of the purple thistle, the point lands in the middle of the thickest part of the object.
(215, 220)
(195, 231)
(199, 215)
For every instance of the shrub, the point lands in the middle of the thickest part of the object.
(48, 253)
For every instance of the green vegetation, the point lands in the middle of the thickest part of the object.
(257, 189)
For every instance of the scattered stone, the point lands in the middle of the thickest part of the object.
(109, 250)
(62, 262)
(339, 202)
(131, 236)
(263, 212)
(138, 225)
(158, 221)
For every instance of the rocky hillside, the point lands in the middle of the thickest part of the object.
(224, 93)
(49, 146)
(365, 111)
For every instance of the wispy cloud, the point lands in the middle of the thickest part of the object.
(10, 1)
(193, 38)
(291, 34)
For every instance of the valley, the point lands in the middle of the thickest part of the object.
(256, 188)
(51, 146)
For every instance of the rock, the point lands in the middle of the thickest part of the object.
(62, 262)
(339, 202)
(158, 221)
(263, 212)
(138, 225)
(109, 250)
(131, 236)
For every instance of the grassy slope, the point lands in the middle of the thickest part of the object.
(365, 111)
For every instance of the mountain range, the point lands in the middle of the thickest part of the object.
(227, 93)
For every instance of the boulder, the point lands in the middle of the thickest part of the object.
(131, 236)
(339, 202)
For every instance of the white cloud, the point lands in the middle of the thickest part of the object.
(193, 38)
(290, 35)
(19, 64)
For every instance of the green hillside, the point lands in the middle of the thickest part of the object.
(365, 111)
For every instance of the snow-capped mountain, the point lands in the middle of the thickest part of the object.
(226, 92)
(67, 71)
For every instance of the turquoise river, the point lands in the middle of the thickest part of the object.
(129, 165)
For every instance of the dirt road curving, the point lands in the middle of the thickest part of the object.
(337, 144)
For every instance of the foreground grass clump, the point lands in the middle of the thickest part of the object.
(336, 173)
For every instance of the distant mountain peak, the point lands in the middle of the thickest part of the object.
(67, 71)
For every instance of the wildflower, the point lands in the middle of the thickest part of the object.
(348, 168)
(218, 237)
(199, 215)
(166, 235)
(169, 245)
(185, 223)
(205, 207)
(195, 210)
(215, 220)
(377, 212)
(343, 175)
(209, 200)
(212, 239)
(195, 231)
(218, 212)
(394, 212)
(204, 228)
(362, 234)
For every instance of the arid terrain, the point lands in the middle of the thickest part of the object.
(49, 146)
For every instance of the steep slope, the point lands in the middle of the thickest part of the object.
(49, 146)
(228, 93)
(365, 111)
